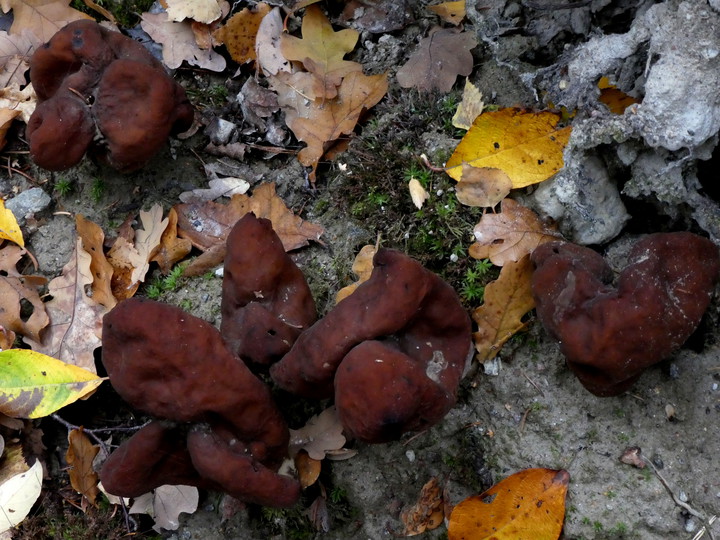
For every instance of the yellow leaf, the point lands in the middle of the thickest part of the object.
(525, 145)
(9, 228)
(321, 49)
(470, 107)
(362, 267)
(450, 12)
(482, 186)
(239, 33)
(615, 99)
(35, 385)
(527, 504)
(511, 234)
(308, 468)
(507, 300)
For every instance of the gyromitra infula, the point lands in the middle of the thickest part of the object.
(220, 426)
(610, 333)
(392, 353)
(101, 91)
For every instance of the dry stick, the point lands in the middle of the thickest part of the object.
(707, 523)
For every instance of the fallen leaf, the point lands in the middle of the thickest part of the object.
(6, 119)
(511, 234)
(506, 301)
(42, 17)
(418, 193)
(321, 433)
(321, 50)
(15, 52)
(427, 513)
(308, 469)
(327, 122)
(450, 12)
(615, 99)
(9, 228)
(93, 239)
(36, 385)
(79, 456)
(16, 288)
(318, 514)
(482, 186)
(377, 16)
(469, 108)
(178, 43)
(217, 187)
(362, 267)
(124, 259)
(267, 45)
(75, 319)
(22, 102)
(166, 503)
(527, 146)
(172, 248)
(18, 495)
(438, 60)
(205, 11)
(527, 504)
(147, 239)
(7, 340)
(239, 33)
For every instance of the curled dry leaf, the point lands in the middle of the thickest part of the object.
(308, 469)
(511, 234)
(362, 268)
(172, 249)
(438, 60)
(93, 239)
(527, 504)
(507, 300)
(427, 513)
(16, 288)
(79, 456)
(470, 107)
(526, 145)
(482, 186)
(418, 193)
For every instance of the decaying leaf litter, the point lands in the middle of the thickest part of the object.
(527, 406)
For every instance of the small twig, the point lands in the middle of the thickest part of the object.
(12, 169)
(521, 427)
(533, 383)
(93, 433)
(705, 529)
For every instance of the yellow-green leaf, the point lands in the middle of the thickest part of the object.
(527, 146)
(9, 228)
(35, 385)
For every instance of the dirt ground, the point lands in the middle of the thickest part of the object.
(529, 410)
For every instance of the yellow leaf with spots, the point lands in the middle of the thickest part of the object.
(507, 300)
(527, 504)
(239, 33)
(527, 146)
(9, 228)
(35, 385)
(321, 50)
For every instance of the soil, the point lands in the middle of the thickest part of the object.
(530, 412)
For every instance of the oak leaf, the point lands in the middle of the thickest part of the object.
(75, 318)
(165, 504)
(147, 239)
(178, 43)
(15, 103)
(172, 248)
(321, 433)
(327, 122)
(321, 50)
(15, 52)
(42, 17)
(527, 504)
(79, 456)
(16, 288)
(506, 301)
(511, 234)
(527, 146)
(239, 32)
(93, 239)
(438, 60)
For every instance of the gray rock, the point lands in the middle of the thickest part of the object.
(30, 201)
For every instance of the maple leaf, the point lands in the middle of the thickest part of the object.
(511, 234)
(16, 287)
(42, 17)
(507, 300)
(240, 31)
(79, 456)
(321, 49)
(178, 41)
(526, 145)
(438, 61)
(93, 237)
(75, 318)
(323, 123)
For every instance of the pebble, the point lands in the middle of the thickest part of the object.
(30, 201)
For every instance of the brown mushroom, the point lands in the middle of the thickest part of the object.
(611, 333)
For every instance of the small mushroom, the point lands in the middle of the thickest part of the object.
(392, 353)
(610, 333)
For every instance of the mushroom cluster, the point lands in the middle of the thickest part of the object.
(611, 332)
(392, 354)
(102, 92)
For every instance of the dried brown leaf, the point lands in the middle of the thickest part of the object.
(482, 186)
(172, 248)
(79, 456)
(427, 513)
(93, 239)
(321, 433)
(14, 288)
(42, 17)
(239, 33)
